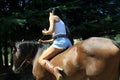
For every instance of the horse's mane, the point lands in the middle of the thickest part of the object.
(31, 47)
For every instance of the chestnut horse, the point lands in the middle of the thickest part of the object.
(95, 58)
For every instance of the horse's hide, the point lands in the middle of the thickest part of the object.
(95, 58)
(91, 59)
(101, 59)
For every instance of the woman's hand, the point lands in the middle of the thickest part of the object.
(44, 32)
(40, 41)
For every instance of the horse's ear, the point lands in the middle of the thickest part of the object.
(23, 40)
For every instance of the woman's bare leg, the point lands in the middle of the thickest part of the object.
(44, 61)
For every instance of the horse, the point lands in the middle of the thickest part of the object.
(95, 58)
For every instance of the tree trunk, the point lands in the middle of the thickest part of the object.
(1, 60)
(6, 55)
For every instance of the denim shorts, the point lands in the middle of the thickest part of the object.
(61, 43)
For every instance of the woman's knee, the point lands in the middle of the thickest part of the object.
(41, 61)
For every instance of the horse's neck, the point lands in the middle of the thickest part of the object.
(37, 69)
(38, 49)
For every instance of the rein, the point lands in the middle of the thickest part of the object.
(20, 67)
(42, 37)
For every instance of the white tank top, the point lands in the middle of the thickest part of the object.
(59, 28)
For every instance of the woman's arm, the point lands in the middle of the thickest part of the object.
(50, 41)
(51, 28)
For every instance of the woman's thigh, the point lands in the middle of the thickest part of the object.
(50, 52)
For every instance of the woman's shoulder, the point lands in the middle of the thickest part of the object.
(56, 18)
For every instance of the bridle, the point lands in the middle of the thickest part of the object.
(27, 60)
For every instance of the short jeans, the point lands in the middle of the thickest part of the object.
(61, 43)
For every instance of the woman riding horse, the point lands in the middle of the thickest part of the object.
(91, 59)
(60, 42)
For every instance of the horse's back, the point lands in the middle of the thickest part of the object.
(101, 46)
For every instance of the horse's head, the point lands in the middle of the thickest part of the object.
(23, 52)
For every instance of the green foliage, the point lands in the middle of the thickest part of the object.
(7, 25)
(117, 37)
(89, 18)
